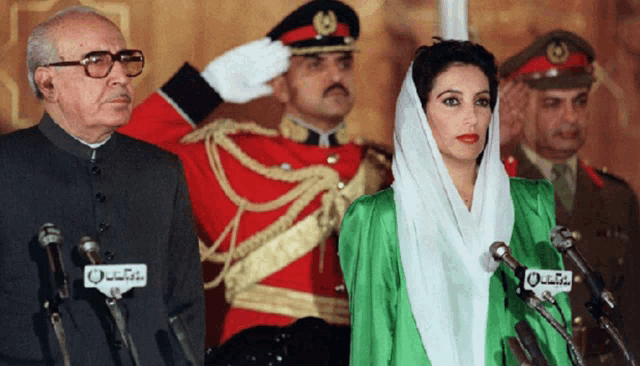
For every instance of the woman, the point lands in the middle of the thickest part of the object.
(423, 289)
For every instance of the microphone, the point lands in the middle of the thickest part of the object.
(501, 252)
(90, 250)
(564, 242)
(528, 340)
(50, 239)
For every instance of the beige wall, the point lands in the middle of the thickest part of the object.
(171, 32)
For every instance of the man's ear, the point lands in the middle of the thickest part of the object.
(43, 78)
(280, 89)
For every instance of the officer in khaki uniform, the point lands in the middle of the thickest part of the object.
(544, 101)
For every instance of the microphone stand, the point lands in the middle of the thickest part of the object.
(501, 252)
(89, 249)
(53, 309)
(121, 323)
(595, 309)
(516, 348)
(534, 302)
(527, 339)
(50, 239)
(564, 242)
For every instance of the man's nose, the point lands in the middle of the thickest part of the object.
(118, 74)
(571, 114)
(336, 72)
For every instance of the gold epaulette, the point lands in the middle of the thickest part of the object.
(378, 168)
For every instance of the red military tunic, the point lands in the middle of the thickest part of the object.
(166, 116)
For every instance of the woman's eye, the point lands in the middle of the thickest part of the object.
(451, 101)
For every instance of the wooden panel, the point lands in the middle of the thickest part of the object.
(18, 107)
(172, 32)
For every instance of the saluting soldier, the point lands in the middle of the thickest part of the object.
(544, 99)
(269, 202)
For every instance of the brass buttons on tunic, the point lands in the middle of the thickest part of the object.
(577, 320)
(285, 166)
(577, 279)
(332, 159)
(576, 235)
(341, 185)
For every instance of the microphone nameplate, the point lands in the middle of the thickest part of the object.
(552, 282)
(115, 279)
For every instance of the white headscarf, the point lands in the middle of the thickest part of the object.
(443, 245)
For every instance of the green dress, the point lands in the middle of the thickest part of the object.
(384, 331)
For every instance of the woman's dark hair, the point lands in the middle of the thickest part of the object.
(431, 61)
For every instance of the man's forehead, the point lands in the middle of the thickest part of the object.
(87, 32)
(563, 93)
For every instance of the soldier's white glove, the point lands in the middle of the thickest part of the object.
(241, 74)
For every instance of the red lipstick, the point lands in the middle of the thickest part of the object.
(470, 138)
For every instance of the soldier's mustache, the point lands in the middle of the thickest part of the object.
(335, 86)
(568, 128)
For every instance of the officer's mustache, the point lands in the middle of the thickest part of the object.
(334, 87)
(568, 128)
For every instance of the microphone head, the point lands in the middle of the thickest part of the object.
(88, 246)
(498, 249)
(561, 238)
(48, 234)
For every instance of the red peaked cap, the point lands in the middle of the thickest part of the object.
(556, 60)
(319, 26)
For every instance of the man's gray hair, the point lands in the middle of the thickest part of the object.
(41, 45)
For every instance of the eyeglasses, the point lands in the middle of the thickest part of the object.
(98, 64)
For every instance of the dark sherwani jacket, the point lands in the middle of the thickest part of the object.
(131, 197)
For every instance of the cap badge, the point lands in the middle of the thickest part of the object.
(325, 23)
(557, 52)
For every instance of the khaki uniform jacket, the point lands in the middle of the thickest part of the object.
(605, 220)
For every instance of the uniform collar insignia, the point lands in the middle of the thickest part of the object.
(297, 130)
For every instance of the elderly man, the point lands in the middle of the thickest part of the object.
(74, 171)
(546, 96)
(269, 202)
